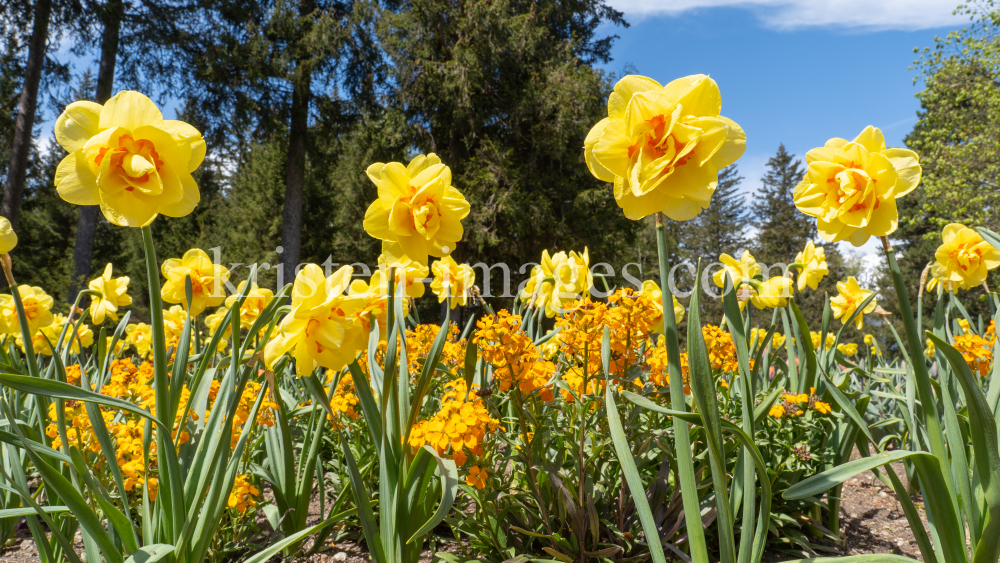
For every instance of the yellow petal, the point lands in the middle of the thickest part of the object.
(698, 95)
(190, 197)
(872, 139)
(187, 134)
(76, 182)
(77, 124)
(130, 110)
(624, 89)
(127, 210)
(596, 168)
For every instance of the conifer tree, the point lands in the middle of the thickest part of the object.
(782, 230)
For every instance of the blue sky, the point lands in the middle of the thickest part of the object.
(791, 71)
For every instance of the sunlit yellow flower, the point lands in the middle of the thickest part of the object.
(559, 279)
(213, 322)
(813, 266)
(964, 258)
(409, 273)
(375, 304)
(37, 309)
(207, 281)
(849, 349)
(112, 296)
(452, 281)
(744, 269)
(417, 207)
(244, 495)
(173, 323)
(477, 477)
(256, 301)
(657, 296)
(141, 337)
(929, 351)
(319, 330)
(771, 293)
(851, 295)
(663, 146)
(126, 158)
(851, 187)
(84, 335)
(8, 238)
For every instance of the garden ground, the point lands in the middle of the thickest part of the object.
(871, 520)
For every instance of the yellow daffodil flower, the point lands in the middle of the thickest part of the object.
(771, 293)
(851, 295)
(559, 279)
(813, 266)
(173, 323)
(8, 238)
(744, 269)
(84, 335)
(140, 336)
(452, 281)
(663, 146)
(417, 207)
(213, 322)
(37, 309)
(112, 296)
(126, 158)
(851, 187)
(207, 281)
(319, 330)
(256, 301)
(656, 294)
(376, 303)
(964, 258)
(848, 349)
(409, 273)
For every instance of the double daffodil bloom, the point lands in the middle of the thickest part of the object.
(376, 304)
(37, 309)
(656, 294)
(112, 296)
(320, 330)
(256, 301)
(417, 207)
(452, 281)
(746, 268)
(812, 266)
(409, 273)
(8, 238)
(126, 158)
(847, 301)
(964, 258)
(851, 187)
(207, 281)
(559, 279)
(663, 146)
(770, 294)
(140, 336)
(84, 334)
(214, 321)
(173, 324)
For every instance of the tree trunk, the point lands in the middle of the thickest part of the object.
(11, 205)
(291, 231)
(113, 11)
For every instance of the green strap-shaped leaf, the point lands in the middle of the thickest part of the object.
(822, 482)
(152, 553)
(274, 549)
(363, 503)
(449, 489)
(632, 478)
(983, 430)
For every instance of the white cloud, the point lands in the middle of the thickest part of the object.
(869, 15)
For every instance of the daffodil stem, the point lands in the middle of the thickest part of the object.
(682, 436)
(932, 419)
(156, 319)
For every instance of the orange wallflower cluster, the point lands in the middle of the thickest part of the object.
(790, 404)
(581, 331)
(344, 398)
(978, 352)
(244, 495)
(265, 415)
(419, 342)
(513, 355)
(721, 349)
(574, 379)
(656, 359)
(630, 322)
(463, 424)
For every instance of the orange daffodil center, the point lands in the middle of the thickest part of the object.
(851, 187)
(964, 258)
(129, 160)
(663, 146)
(417, 207)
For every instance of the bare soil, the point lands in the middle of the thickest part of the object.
(871, 519)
